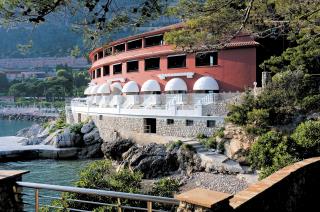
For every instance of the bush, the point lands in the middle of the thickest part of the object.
(165, 187)
(307, 136)
(175, 144)
(259, 118)
(201, 136)
(311, 103)
(219, 133)
(76, 128)
(271, 152)
(188, 147)
(210, 143)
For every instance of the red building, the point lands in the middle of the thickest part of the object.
(146, 57)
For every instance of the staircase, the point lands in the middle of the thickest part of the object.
(213, 161)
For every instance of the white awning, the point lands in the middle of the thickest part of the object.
(104, 89)
(206, 83)
(87, 91)
(116, 88)
(130, 87)
(94, 90)
(176, 84)
(150, 85)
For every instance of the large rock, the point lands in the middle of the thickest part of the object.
(153, 160)
(115, 149)
(30, 132)
(65, 139)
(92, 137)
(237, 143)
(86, 128)
(93, 151)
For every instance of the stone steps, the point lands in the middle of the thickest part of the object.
(213, 161)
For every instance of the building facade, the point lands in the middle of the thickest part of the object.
(142, 80)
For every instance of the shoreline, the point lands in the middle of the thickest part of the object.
(11, 150)
(26, 117)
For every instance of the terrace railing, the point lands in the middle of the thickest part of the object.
(39, 198)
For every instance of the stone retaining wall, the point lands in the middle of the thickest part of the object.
(133, 127)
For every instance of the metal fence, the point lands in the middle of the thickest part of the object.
(39, 198)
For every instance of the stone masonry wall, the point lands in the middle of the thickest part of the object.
(133, 127)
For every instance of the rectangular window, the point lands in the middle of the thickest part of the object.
(207, 59)
(156, 40)
(95, 58)
(108, 51)
(98, 72)
(189, 122)
(133, 66)
(106, 70)
(170, 121)
(93, 74)
(117, 69)
(136, 44)
(211, 123)
(177, 61)
(100, 117)
(152, 63)
(100, 55)
(119, 48)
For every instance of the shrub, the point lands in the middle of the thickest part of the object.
(271, 152)
(220, 147)
(165, 187)
(201, 136)
(311, 103)
(239, 113)
(307, 136)
(210, 143)
(76, 128)
(188, 147)
(175, 144)
(259, 117)
(219, 133)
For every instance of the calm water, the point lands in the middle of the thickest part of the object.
(10, 127)
(63, 172)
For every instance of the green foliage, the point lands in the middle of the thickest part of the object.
(271, 152)
(239, 113)
(210, 143)
(165, 187)
(219, 133)
(59, 124)
(311, 103)
(201, 136)
(307, 136)
(76, 128)
(175, 144)
(220, 147)
(188, 147)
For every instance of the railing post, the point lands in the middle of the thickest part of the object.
(36, 200)
(149, 206)
(119, 205)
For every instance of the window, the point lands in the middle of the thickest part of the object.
(177, 61)
(95, 58)
(136, 44)
(100, 117)
(100, 55)
(189, 122)
(119, 48)
(108, 51)
(98, 72)
(170, 121)
(93, 74)
(117, 69)
(106, 70)
(133, 66)
(211, 123)
(152, 63)
(207, 59)
(153, 41)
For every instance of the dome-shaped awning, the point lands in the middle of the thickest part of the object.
(94, 90)
(87, 91)
(206, 84)
(116, 88)
(176, 84)
(104, 89)
(130, 87)
(150, 85)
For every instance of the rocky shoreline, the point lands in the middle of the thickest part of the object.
(27, 117)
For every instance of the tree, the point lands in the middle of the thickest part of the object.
(4, 83)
